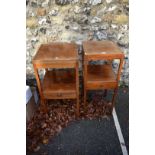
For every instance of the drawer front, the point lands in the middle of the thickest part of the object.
(101, 85)
(59, 95)
(60, 64)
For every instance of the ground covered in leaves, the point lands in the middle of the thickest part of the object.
(43, 126)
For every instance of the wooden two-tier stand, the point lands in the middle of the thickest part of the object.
(98, 77)
(61, 79)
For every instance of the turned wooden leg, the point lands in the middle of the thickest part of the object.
(114, 98)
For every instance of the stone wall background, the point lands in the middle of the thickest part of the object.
(76, 20)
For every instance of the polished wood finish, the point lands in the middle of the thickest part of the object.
(61, 79)
(101, 50)
(59, 84)
(56, 52)
(101, 76)
(100, 73)
(38, 82)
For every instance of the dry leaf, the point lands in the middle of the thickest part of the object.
(45, 141)
(36, 149)
(43, 126)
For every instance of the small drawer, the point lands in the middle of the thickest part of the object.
(101, 85)
(60, 95)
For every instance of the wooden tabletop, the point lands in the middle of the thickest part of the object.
(56, 52)
(101, 49)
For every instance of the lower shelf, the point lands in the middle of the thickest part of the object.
(100, 76)
(59, 84)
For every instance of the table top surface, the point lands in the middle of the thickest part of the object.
(56, 51)
(101, 48)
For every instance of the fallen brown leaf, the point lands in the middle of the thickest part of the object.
(36, 149)
(43, 126)
(45, 141)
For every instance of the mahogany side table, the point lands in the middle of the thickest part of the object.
(61, 79)
(98, 77)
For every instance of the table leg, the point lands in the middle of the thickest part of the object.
(118, 78)
(85, 80)
(85, 96)
(39, 86)
(119, 70)
(43, 106)
(77, 90)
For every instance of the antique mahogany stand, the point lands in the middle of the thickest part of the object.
(98, 77)
(61, 79)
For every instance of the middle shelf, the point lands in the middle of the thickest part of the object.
(59, 84)
(100, 76)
